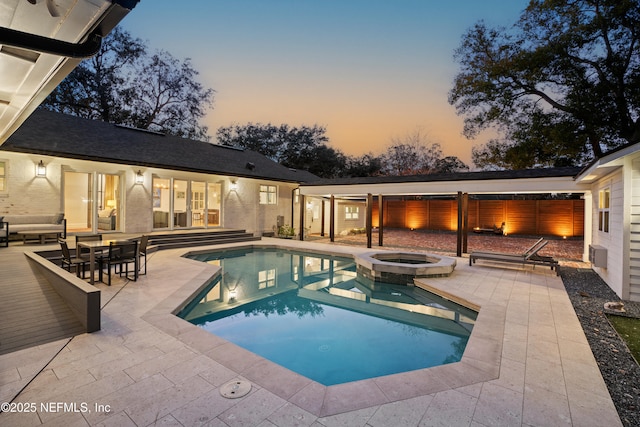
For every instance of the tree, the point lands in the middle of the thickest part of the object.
(450, 164)
(365, 165)
(301, 147)
(562, 85)
(165, 96)
(92, 90)
(125, 85)
(416, 154)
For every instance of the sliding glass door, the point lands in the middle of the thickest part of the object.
(92, 201)
(78, 201)
(179, 203)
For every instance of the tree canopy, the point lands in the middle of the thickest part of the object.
(306, 147)
(415, 154)
(303, 147)
(124, 84)
(562, 85)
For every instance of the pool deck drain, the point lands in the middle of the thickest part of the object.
(235, 389)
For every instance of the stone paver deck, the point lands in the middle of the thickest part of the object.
(527, 364)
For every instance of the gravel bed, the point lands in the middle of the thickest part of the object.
(588, 294)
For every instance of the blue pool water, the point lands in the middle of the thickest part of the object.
(309, 313)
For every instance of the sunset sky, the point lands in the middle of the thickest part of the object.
(368, 70)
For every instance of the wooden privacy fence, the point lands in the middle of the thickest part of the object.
(531, 217)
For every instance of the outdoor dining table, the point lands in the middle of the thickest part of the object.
(93, 246)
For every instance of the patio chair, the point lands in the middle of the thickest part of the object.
(121, 254)
(4, 233)
(142, 252)
(524, 254)
(69, 261)
(530, 258)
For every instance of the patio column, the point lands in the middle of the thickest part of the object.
(380, 219)
(588, 224)
(461, 232)
(302, 212)
(332, 218)
(369, 219)
(465, 221)
(322, 218)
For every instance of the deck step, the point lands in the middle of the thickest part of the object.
(182, 240)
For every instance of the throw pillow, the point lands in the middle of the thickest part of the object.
(59, 218)
(1, 222)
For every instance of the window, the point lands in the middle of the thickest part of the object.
(3, 176)
(604, 197)
(268, 195)
(266, 278)
(351, 212)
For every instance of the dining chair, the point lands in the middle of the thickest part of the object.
(68, 261)
(142, 252)
(121, 254)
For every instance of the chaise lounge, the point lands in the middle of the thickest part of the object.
(528, 257)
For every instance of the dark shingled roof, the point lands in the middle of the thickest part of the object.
(61, 135)
(457, 176)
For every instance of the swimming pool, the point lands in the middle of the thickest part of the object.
(309, 313)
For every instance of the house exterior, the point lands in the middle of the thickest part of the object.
(108, 178)
(614, 219)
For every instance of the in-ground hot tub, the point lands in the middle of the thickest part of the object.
(402, 267)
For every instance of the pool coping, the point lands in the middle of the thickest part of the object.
(480, 361)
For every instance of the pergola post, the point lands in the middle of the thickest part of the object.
(302, 212)
(332, 218)
(459, 231)
(465, 221)
(369, 219)
(380, 220)
(322, 218)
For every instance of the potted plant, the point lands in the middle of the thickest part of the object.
(286, 232)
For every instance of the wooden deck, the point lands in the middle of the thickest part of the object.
(31, 312)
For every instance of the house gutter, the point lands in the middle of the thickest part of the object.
(41, 44)
(114, 14)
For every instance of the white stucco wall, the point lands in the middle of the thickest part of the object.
(613, 240)
(26, 193)
(242, 208)
(634, 230)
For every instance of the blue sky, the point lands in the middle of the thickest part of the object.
(368, 70)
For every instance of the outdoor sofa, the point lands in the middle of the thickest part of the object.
(35, 223)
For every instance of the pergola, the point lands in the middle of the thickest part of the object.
(459, 185)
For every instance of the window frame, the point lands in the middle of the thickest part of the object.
(604, 210)
(268, 194)
(352, 213)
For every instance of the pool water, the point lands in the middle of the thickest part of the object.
(308, 313)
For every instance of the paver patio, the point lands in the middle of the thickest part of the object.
(527, 363)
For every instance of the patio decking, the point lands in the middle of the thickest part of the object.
(528, 363)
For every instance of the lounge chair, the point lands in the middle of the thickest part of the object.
(529, 257)
(525, 253)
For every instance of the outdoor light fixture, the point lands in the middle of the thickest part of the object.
(41, 169)
(139, 177)
(233, 186)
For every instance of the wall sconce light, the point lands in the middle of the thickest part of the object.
(139, 177)
(41, 169)
(233, 186)
(309, 206)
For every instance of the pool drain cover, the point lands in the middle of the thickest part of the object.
(235, 389)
